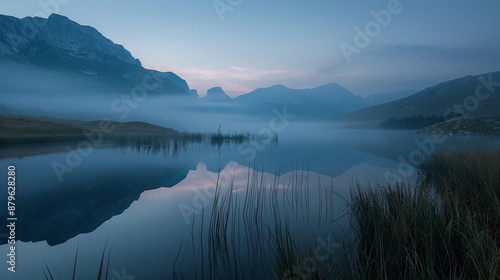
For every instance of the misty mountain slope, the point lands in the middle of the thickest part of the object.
(336, 97)
(436, 100)
(59, 44)
(380, 98)
(324, 101)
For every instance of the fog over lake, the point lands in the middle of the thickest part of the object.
(249, 140)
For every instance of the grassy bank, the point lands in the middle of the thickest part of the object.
(475, 125)
(25, 129)
(445, 226)
(44, 130)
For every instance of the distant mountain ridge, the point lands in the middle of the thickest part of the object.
(61, 45)
(455, 96)
(321, 102)
(58, 43)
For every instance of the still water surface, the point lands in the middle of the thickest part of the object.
(147, 207)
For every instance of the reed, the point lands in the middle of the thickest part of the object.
(255, 232)
(444, 226)
(102, 274)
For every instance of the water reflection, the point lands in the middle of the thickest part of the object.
(96, 190)
(150, 232)
(151, 201)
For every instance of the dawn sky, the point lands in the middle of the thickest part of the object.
(249, 44)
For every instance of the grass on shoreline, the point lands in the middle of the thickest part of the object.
(445, 225)
(40, 130)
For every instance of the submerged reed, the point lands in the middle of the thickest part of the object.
(257, 232)
(444, 225)
(102, 274)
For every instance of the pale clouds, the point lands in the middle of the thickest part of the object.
(236, 80)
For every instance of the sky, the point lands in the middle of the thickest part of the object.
(366, 46)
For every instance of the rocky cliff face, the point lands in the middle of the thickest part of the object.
(61, 44)
(59, 31)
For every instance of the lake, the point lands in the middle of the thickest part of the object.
(150, 213)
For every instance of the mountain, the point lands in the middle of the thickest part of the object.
(217, 94)
(59, 44)
(320, 102)
(460, 96)
(380, 98)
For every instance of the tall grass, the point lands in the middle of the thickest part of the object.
(173, 144)
(258, 232)
(473, 178)
(102, 274)
(444, 226)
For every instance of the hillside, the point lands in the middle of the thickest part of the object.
(24, 129)
(384, 97)
(477, 125)
(438, 100)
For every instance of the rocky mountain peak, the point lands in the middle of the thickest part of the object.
(217, 94)
(60, 32)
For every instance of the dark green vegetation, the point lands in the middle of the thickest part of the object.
(453, 124)
(444, 225)
(479, 125)
(24, 129)
(37, 130)
(219, 138)
(415, 122)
